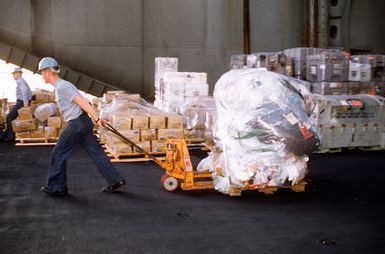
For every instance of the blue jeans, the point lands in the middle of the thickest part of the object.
(78, 131)
(12, 115)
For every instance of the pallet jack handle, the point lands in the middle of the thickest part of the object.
(129, 141)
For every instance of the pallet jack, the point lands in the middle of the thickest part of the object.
(179, 171)
(178, 167)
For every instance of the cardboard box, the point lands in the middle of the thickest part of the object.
(146, 145)
(51, 98)
(25, 113)
(164, 134)
(54, 122)
(139, 122)
(174, 121)
(157, 121)
(24, 125)
(121, 121)
(133, 135)
(42, 96)
(50, 132)
(119, 148)
(38, 133)
(148, 135)
(158, 146)
(23, 134)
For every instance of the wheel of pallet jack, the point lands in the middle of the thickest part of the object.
(169, 183)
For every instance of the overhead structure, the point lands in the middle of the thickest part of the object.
(14, 55)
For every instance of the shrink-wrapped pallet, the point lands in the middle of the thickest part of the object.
(263, 131)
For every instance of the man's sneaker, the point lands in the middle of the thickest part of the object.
(47, 190)
(114, 187)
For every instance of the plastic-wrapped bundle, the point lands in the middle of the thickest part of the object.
(44, 111)
(263, 130)
(198, 114)
(126, 104)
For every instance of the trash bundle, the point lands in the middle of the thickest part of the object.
(43, 111)
(263, 131)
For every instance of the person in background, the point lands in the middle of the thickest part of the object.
(23, 98)
(77, 113)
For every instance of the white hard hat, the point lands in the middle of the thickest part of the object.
(16, 69)
(48, 63)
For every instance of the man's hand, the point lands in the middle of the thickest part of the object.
(102, 122)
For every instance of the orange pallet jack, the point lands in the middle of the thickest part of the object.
(178, 168)
(179, 171)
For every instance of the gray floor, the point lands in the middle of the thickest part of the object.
(342, 210)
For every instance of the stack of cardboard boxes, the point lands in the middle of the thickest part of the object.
(28, 126)
(147, 129)
(3, 110)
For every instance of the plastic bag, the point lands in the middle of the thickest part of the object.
(263, 130)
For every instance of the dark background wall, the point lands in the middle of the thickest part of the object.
(116, 41)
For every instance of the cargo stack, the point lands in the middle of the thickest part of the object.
(272, 61)
(3, 112)
(149, 130)
(179, 94)
(40, 122)
(350, 121)
(162, 65)
(347, 111)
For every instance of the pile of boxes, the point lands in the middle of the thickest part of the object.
(346, 121)
(139, 121)
(3, 111)
(178, 92)
(148, 130)
(349, 111)
(47, 126)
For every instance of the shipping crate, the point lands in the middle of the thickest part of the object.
(238, 61)
(24, 125)
(157, 121)
(359, 72)
(139, 121)
(38, 133)
(145, 145)
(23, 134)
(164, 134)
(330, 88)
(119, 148)
(133, 135)
(50, 132)
(174, 121)
(148, 135)
(327, 67)
(121, 121)
(54, 122)
(376, 62)
(25, 113)
(158, 146)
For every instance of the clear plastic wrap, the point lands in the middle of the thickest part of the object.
(123, 104)
(42, 112)
(198, 114)
(263, 131)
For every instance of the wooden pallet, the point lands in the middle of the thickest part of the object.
(133, 157)
(36, 141)
(195, 143)
(329, 150)
(269, 190)
(371, 148)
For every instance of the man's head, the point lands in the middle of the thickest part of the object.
(17, 72)
(49, 69)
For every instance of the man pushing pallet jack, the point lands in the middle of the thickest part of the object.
(179, 171)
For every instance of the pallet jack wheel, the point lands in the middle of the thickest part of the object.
(169, 183)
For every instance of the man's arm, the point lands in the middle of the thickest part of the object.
(85, 105)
